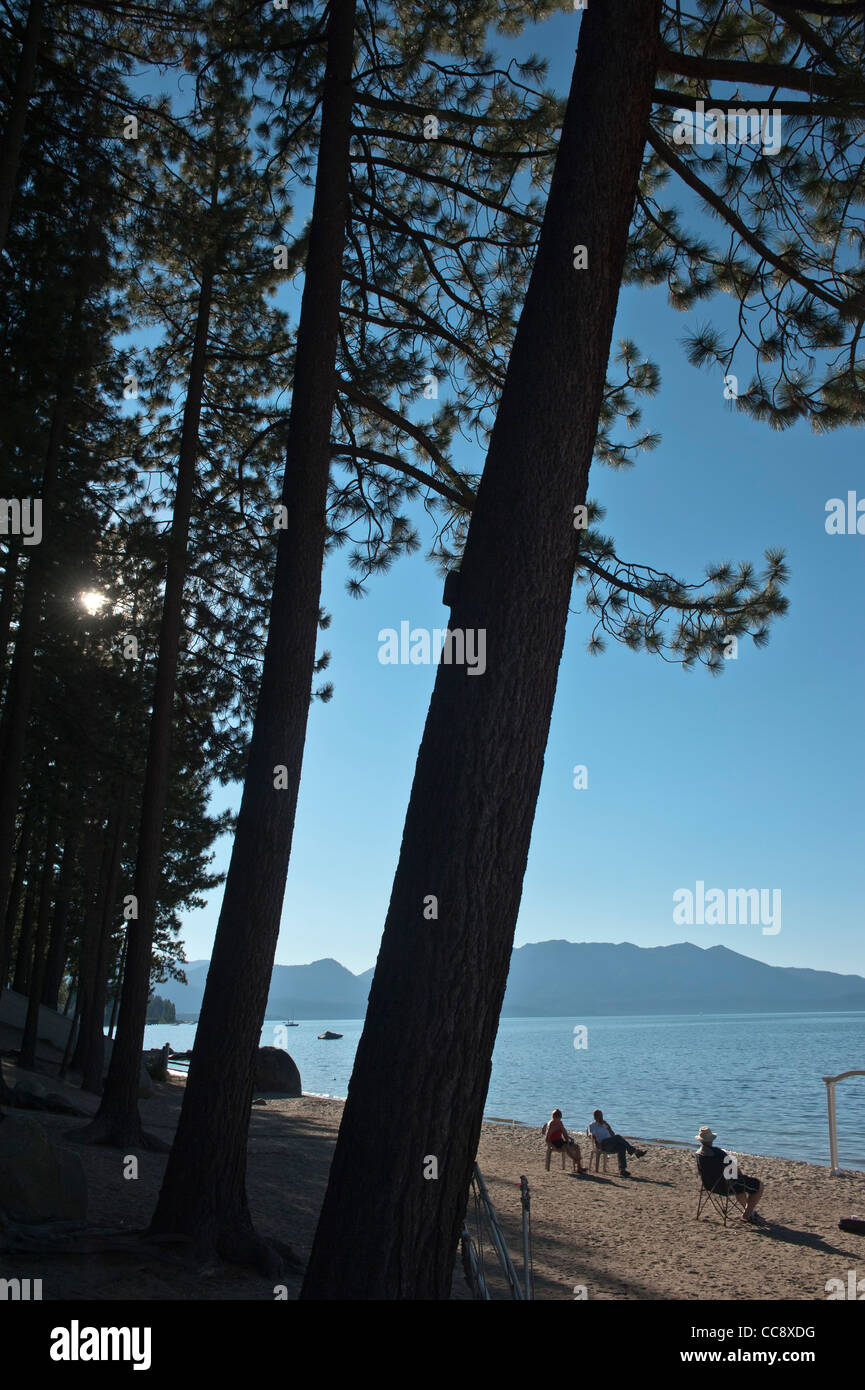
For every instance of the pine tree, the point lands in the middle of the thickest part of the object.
(536, 471)
(58, 293)
(424, 1055)
(200, 1187)
(22, 89)
(204, 1188)
(211, 244)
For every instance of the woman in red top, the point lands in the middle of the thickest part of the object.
(557, 1138)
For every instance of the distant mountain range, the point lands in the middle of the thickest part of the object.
(324, 989)
(566, 978)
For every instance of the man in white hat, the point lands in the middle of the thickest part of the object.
(720, 1172)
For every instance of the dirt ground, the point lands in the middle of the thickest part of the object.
(613, 1238)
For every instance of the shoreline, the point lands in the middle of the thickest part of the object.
(534, 1061)
(618, 1239)
(680, 1145)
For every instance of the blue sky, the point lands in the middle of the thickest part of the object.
(751, 780)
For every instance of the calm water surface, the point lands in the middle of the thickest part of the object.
(756, 1078)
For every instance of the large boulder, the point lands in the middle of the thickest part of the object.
(277, 1072)
(32, 1095)
(38, 1180)
(156, 1062)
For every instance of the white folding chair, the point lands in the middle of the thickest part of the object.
(549, 1150)
(550, 1154)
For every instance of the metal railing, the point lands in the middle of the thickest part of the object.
(472, 1248)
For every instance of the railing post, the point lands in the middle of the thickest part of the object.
(525, 1198)
(834, 1170)
(830, 1081)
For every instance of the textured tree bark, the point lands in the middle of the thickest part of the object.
(16, 707)
(91, 1079)
(76, 1014)
(204, 1190)
(7, 602)
(56, 960)
(22, 856)
(89, 1056)
(117, 1121)
(24, 954)
(40, 943)
(421, 1072)
(118, 984)
(88, 949)
(13, 136)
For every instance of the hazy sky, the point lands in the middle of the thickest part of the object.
(751, 780)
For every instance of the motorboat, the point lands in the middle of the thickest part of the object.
(327, 1035)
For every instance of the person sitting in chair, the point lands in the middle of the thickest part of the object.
(611, 1143)
(719, 1172)
(557, 1138)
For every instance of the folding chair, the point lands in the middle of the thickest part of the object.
(712, 1195)
(595, 1151)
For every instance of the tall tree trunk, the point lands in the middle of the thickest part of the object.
(24, 953)
(55, 963)
(22, 856)
(70, 1041)
(204, 1190)
(115, 993)
(18, 695)
(98, 861)
(94, 1060)
(388, 1229)
(37, 979)
(13, 136)
(16, 708)
(7, 602)
(118, 1121)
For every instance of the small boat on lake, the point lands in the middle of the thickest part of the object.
(288, 1023)
(327, 1035)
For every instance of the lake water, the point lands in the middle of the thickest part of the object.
(755, 1078)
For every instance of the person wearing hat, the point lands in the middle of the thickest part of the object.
(720, 1171)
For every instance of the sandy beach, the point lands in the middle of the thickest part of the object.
(632, 1239)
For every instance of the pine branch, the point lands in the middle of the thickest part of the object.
(687, 101)
(401, 466)
(781, 75)
(851, 308)
(452, 184)
(452, 142)
(407, 108)
(393, 417)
